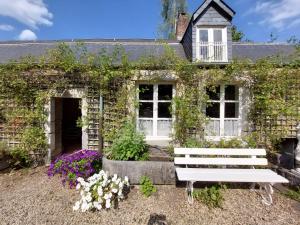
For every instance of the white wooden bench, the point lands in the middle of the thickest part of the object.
(226, 165)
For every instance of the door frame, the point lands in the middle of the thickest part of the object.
(78, 93)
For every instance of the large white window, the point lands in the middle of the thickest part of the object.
(223, 110)
(211, 44)
(154, 116)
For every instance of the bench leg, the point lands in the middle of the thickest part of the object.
(189, 191)
(266, 191)
(252, 187)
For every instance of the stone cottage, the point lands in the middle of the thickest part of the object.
(204, 39)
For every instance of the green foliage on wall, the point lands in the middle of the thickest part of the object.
(27, 85)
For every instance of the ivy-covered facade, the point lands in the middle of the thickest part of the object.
(56, 97)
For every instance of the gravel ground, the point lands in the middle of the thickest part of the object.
(29, 197)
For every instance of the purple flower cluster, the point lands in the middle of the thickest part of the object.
(82, 163)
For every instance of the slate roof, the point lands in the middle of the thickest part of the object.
(220, 3)
(136, 48)
(255, 51)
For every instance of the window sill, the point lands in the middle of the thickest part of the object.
(153, 138)
(201, 62)
(158, 141)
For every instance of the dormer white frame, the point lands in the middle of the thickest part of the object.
(210, 43)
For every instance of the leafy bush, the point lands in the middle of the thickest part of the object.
(20, 157)
(248, 141)
(251, 140)
(82, 163)
(100, 191)
(194, 143)
(212, 196)
(147, 187)
(129, 145)
(230, 143)
(293, 193)
(170, 150)
(33, 140)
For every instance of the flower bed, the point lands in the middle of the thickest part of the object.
(82, 163)
(100, 191)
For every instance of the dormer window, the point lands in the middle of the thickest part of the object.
(211, 44)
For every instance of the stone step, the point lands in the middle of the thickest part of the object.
(158, 153)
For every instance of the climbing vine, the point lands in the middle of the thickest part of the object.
(27, 85)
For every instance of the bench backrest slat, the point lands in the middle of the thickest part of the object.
(221, 161)
(220, 151)
(220, 157)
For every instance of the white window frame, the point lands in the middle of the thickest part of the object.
(155, 118)
(210, 41)
(222, 118)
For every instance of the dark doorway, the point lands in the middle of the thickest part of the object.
(71, 134)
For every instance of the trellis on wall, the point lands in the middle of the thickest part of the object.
(93, 113)
(283, 124)
(101, 77)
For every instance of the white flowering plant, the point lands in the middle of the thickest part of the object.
(100, 191)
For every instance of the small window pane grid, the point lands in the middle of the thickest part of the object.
(223, 109)
(211, 45)
(154, 117)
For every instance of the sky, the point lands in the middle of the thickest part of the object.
(91, 19)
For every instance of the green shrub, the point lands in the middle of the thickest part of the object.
(170, 150)
(20, 157)
(33, 140)
(248, 141)
(129, 145)
(195, 143)
(17, 156)
(147, 187)
(251, 140)
(293, 193)
(212, 197)
(230, 143)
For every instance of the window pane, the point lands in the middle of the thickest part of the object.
(204, 52)
(213, 93)
(165, 92)
(213, 128)
(164, 127)
(146, 127)
(231, 110)
(218, 36)
(203, 35)
(213, 110)
(231, 128)
(146, 110)
(146, 92)
(163, 110)
(218, 53)
(231, 92)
